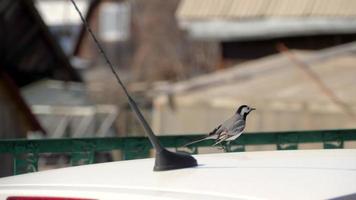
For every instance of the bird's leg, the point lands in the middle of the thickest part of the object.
(227, 146)
(223, 147)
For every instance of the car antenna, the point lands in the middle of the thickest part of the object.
(165, 160)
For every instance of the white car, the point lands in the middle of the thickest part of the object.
(299, 174)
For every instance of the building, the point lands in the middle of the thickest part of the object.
(29, 53)
(249, 29)
(64, 109)
(62, 20)
(144, 41)
(32, 56)
(286, 97)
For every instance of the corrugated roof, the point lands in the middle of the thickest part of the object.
(334, 8)
(240, 9)
(289, 8)
(202, 9)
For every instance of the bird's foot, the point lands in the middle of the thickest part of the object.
(223, 147)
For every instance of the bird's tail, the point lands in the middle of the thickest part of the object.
(196, 141)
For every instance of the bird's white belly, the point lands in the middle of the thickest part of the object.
(234, 137)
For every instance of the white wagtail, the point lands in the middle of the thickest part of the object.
(230, 129)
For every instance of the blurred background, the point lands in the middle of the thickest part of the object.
(189, 64)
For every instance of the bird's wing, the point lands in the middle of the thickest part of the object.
(234, 137)
(222, 137)
(234, 125)
(212, 135)
(237, 127)
(215, 131)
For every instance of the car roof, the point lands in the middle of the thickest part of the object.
(299, 174)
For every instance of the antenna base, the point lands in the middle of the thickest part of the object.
(166, 160)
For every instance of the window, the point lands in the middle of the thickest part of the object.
(114, 21)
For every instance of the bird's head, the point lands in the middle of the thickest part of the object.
(244, 110)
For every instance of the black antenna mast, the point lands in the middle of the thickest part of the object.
(165, 160)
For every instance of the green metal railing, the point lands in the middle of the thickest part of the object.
(82, 150)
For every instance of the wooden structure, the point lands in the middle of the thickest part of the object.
(17, 118)
(28, 46)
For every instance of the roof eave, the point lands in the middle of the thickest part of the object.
(265, 28)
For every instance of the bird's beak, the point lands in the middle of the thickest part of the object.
(253, 109)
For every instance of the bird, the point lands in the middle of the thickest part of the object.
(229, 130)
